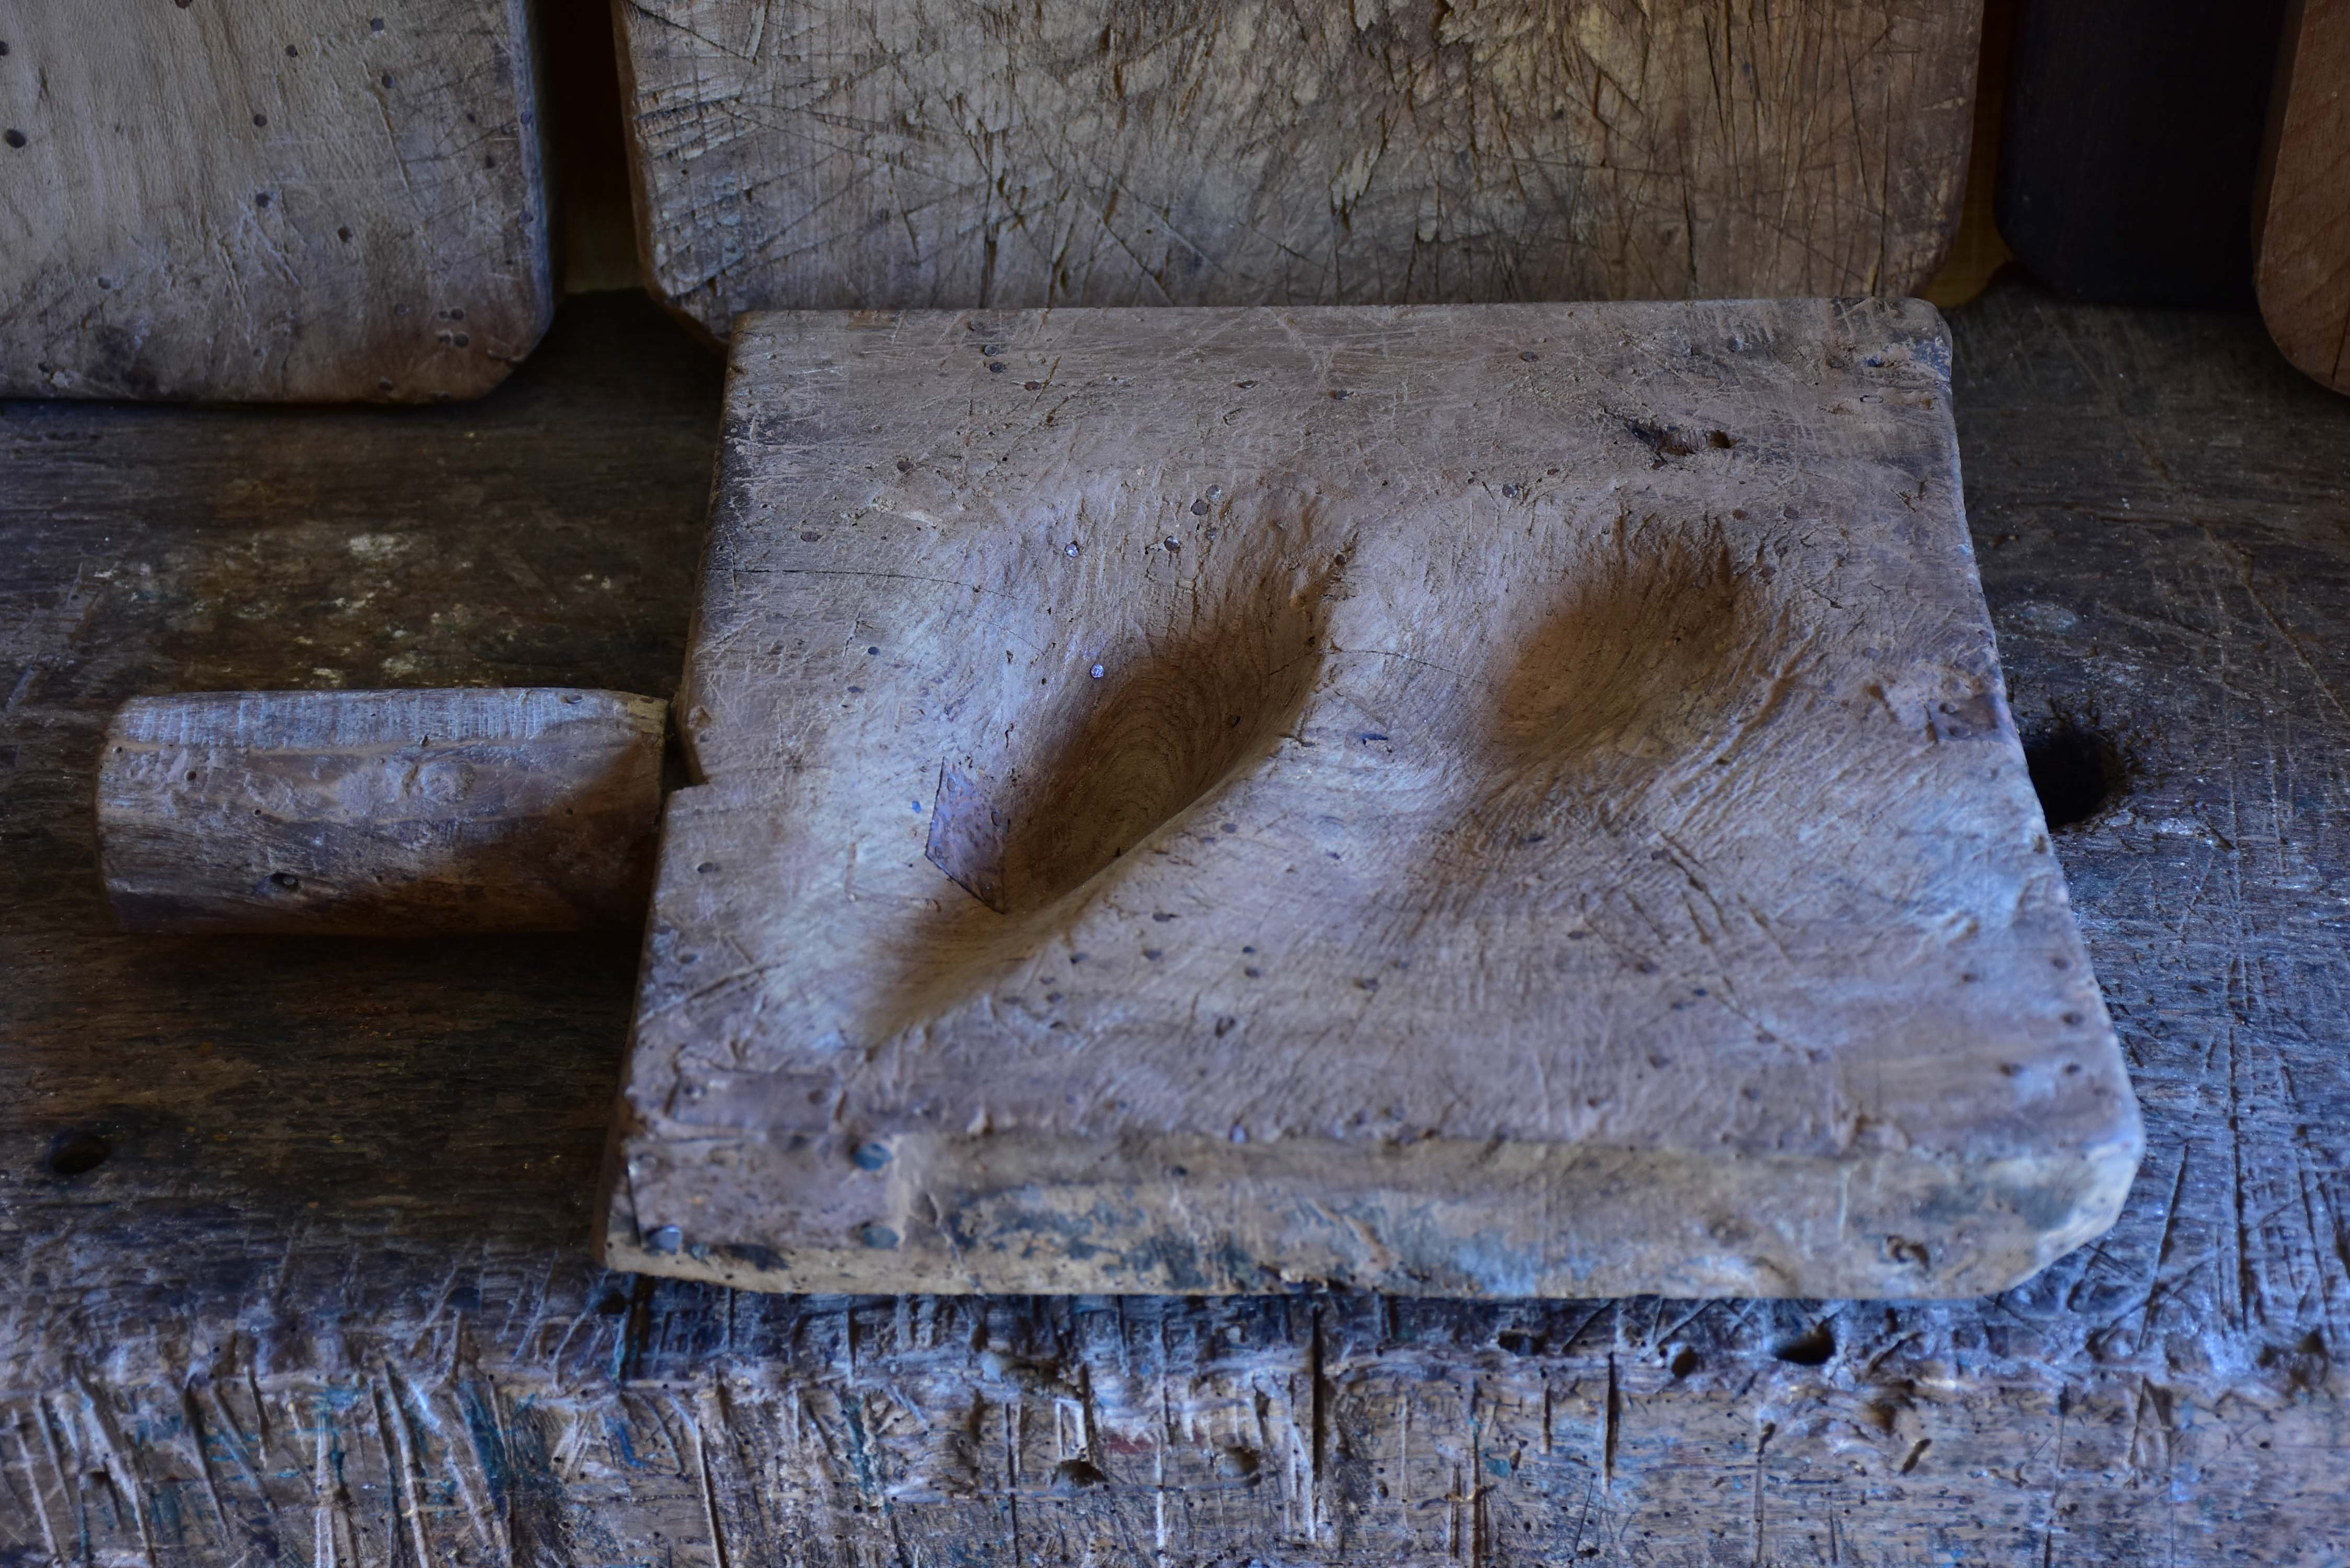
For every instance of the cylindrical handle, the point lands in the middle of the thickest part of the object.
(381, 813)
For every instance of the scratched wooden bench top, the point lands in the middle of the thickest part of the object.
(344, 1207)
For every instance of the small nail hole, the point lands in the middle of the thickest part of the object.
(73, 1153)
(1810, 1348)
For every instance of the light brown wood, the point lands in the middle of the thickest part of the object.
(383, 814)
(282, 200)
(2304, 275)
(822, 153)
(1497, 801)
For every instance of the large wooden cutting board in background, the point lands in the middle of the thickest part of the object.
(2304, 274)
(824, 153)
(290, 200)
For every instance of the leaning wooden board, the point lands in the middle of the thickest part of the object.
(283, 199)
(1490, 801)
(818, 154)
(2304, 274)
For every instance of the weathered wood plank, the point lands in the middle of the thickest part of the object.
(2304, 273)
(1491, 801)
(822, 154)
(381, 814)
(345, 1209)
(297, 201)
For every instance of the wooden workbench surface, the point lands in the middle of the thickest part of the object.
(294, 1230)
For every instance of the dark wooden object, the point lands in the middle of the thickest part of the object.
(383, 814)
(2305, 218)
(839, 154)
(295, 1231)
(2131, 149)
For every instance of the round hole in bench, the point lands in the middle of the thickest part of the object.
(2075, 772)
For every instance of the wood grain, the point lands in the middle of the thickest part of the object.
(1503, 800)
(2304, 273)
(346, 1207)
(381, 814)
(816, 153)
(299, 200)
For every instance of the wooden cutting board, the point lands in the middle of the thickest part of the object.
(818, 154)
(1491, 801)
(280, 199)
(2304, 222)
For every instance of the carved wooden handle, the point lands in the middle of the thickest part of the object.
(381, 813)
